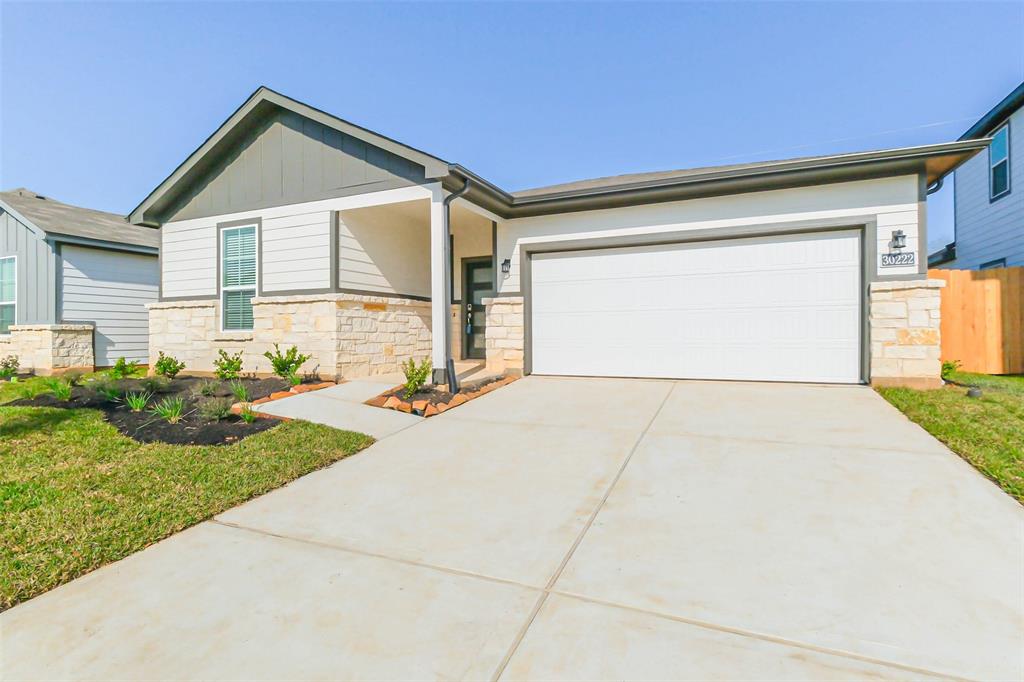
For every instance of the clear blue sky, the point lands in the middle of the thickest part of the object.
(100, 102)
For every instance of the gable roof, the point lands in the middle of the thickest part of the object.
(253, 110)
(59, 221)
(1000, 112)
(932, 161)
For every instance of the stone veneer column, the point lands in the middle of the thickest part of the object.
(50, 348)
(905, 337)
(504, 340)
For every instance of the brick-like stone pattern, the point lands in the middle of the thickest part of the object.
(348, 335)
(47, 349)
(905, 339)
(504, 340)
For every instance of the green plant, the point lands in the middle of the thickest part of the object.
(239, 390)
(207, 387)
(123, 369)
(60, 388)
(75, 378)
(949, 367)
(247, 414)
(8, 367)
(137, 400)
(109, 390)
(228, 366)
(26, 391)
(415, 375)
(287, 365)
(156, 384)
(167, 366)
(215, 409)
(171, 409)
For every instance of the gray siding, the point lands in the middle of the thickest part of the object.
(987, 231)
(111, 290)
(290, 159)
(36, 268)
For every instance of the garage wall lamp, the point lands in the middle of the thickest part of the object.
(899, 239)
(506, 266)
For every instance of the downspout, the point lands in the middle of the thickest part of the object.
(936, 186)
(449, 376)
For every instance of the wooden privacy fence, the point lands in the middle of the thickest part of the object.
(983, 319)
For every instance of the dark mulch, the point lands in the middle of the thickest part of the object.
(433, 396)
(146, 427)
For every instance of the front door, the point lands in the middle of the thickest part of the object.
(477, 284)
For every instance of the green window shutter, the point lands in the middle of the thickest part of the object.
(238, 309)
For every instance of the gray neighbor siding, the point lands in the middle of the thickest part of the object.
(36, 267)
(987, 231)
(289, 159)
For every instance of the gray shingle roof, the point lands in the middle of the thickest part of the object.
(57, 218)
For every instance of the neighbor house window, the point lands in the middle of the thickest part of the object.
(1000, 263)
(8, 293)
(999, 163)
(238, 276)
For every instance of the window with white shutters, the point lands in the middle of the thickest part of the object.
(8, 293)
(238, 276)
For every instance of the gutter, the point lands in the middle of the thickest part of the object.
(102, 244)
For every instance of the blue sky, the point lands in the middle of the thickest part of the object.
(99, 102)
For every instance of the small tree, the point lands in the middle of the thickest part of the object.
(287, 365)
(168, 366)
(227, 367)
(415, 375)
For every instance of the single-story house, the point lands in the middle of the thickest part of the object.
(291, 225)
(74, 284)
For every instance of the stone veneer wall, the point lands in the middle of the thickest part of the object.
(348, 335)
(905, 337)
(505, 334)
(50, 348)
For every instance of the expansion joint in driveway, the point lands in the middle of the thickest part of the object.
(576, 543)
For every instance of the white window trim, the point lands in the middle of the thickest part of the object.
(15, 301)
(1009, 169)
(220, 273)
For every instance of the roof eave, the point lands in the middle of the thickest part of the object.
(1000, 112)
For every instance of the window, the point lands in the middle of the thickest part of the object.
(1000, 263)
(238, 276)
(999, 163)
(8, 293)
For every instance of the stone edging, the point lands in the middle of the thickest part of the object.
(425, 408)
(279, 395)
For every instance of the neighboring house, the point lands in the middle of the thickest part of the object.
(74, 284)
(293, 226)
(988, 194)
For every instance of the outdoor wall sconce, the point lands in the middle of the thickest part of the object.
(506, 266)
(899, 239)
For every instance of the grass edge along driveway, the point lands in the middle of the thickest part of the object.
(75, 494)
(988, 432)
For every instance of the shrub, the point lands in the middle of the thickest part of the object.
(415, 375)
(949, 367)
(239, 390)
(109, 390)
(228, 366)
(123, 369)
(287, 366)
(207, 387)
(75, 378)
(8, 367)
(247, 414)
(60, 388)
(171, 409)
(215, 409)
(168, 366)
(157, 384)
(137, 400)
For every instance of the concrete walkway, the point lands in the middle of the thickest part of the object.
(578, 529)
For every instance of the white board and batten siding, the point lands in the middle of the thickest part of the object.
(110, 289)
(768, 309)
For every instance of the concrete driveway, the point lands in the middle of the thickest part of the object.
(581, 529)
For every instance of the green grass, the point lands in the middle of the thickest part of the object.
(988, 431)
(75, 494)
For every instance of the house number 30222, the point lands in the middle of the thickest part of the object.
(892, 260)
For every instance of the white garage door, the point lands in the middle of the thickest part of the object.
(782, 308)
(111, 290)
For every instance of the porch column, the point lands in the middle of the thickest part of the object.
(439, 286)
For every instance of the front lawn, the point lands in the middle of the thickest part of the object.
(988, 431)
(75, 494)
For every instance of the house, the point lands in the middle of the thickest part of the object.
(290, 225)
(988, 194)
(74, 284)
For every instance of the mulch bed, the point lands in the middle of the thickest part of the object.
(430, 400)
(193, 428)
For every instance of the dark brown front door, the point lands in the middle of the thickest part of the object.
(477, 284)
